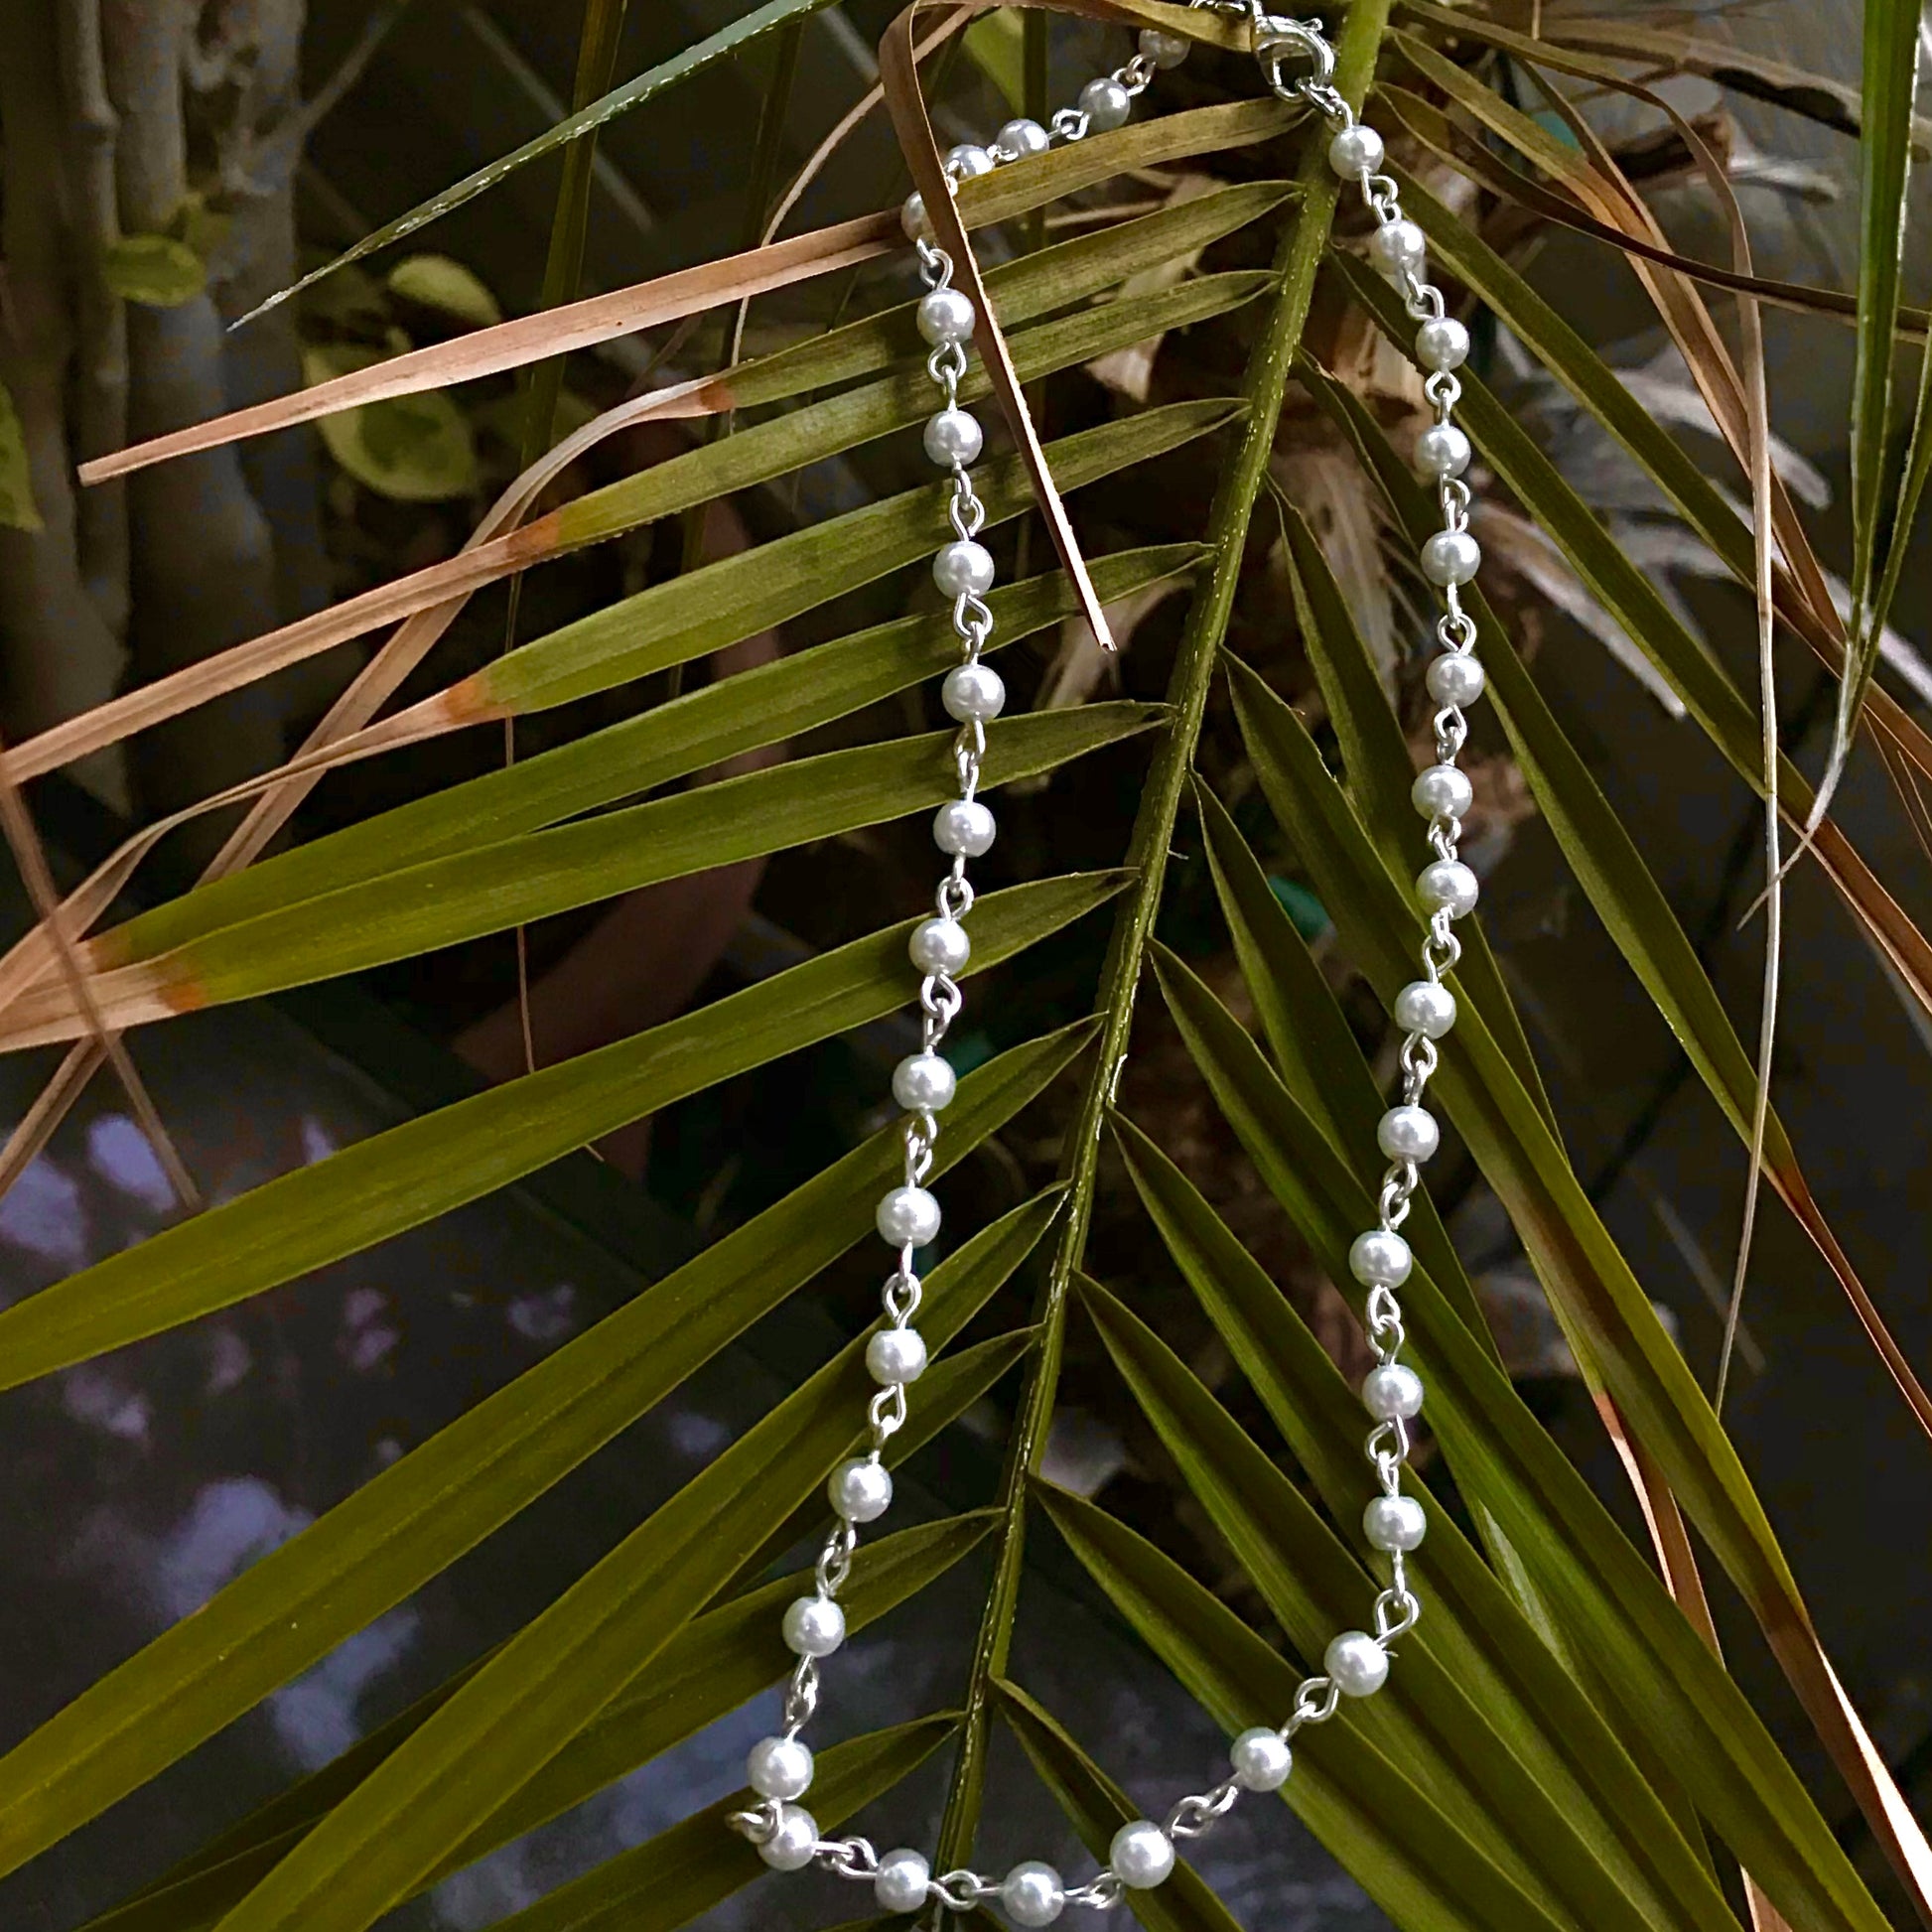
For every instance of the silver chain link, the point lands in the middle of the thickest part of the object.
(1297, 62)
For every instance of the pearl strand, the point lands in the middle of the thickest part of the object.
(1355, 1663)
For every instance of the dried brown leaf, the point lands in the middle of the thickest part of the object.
(899, 75)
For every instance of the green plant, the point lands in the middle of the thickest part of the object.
(1563, 1734)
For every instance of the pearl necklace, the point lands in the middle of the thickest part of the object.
(1355, 1663)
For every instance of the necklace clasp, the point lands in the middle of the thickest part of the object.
(1278, 40)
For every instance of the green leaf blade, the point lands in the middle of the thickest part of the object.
(1098, 1808)
(1591, 1287)
(706, 1671)
(492, 888)
(409, 1174)
(737, 597)
(417, 1810)
(1423, 1871)
(417, 1517)
(671, 1878)
(667, 73)
(1483, 1764)
(670, 741)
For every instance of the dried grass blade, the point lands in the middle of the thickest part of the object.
(1795, 1641)
(1911, 800)
(85, 1059)
(35, 953)
(1750, 326)
(529, 338)
(30, 857)
(899, 75)
(1714, 521)
(1198, 131)
(1671, 1539)
(1863, 897)
(260, 657)
(384, 674)
(1591, 172)
(1435, 131)
(842, 130)
(1814, 96)
(1004, 491)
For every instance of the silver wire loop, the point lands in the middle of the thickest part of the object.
(1102, 1893)
(960, 1891)
(850, 1857)
(1316, 1700)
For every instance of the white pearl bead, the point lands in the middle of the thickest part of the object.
(907, 1214)
(940, 946)
(814, 1626)
(1261, 1759)
(1164, 50)
(1441, 792)
(1019, 138)
(924, 1083)
(954, 436)
(1442, 449)
(1142, 1855)
(1391, 1393)
(1399, 247)
(791, 1848)
(1408, 1134)
(896, 1355)
(1455, 678)
(780, 1768)
(1451, 557)
(973, 691)
(1355, 151)
(1394, 1523)
(968, 160)
(912, 218)
(1380, 1259)
(861, 1490)
(1032, 1894)
(1357, 1664)
(1442, 343)
(898, 1885)
(945, 316)
(1105, 104)
(964, 828)
(1424, 1007)
(1448, 886)
(963, 567)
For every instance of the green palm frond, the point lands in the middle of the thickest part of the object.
(1560, 1749)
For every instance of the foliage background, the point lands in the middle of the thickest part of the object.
(1819, 1422)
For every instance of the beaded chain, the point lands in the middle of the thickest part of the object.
(1356, 1663)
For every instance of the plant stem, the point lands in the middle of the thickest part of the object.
(59, 654)
(1263, 385)
(100, 357)
(189, 598)
(563, 267)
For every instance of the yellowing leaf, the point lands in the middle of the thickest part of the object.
(994, 42)
(442, 283)
(18, 511)
(410, 449)
(201, 227)
(156, 270)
